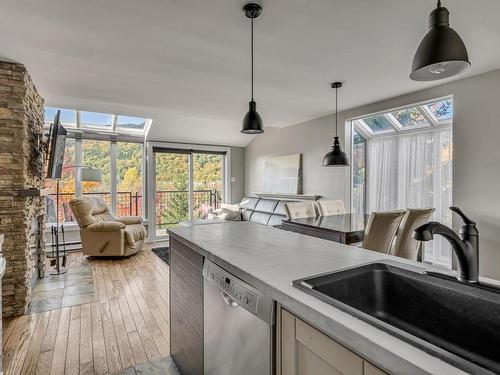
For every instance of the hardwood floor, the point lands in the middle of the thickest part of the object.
(126, 326)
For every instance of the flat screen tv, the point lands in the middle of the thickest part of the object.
(57, 142)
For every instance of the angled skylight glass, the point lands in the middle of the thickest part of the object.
(442, 110)
(97, 120)
(378, 124)
(67, 117)
(130, 123)
(410, 117)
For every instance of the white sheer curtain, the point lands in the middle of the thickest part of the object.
(413, 171)
(382, 156)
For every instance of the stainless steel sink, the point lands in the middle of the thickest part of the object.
(457, 322)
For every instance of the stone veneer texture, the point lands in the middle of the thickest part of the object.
(21, 167)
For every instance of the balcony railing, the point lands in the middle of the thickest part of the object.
(172, 206)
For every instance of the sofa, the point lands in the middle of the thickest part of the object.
(258, 210)
(263, 210)
(102, 234)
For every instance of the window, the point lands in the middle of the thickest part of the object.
(129, 178)
(188, 184)
(125, 200)
(67, 116)
(136, 124)
(409, 166)
(358, 173)
(96, 120)
(90, 156)
(207, 183)
(410, 117)
(378, 124)
(441, 111)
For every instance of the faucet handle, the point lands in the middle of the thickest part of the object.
(462, 215)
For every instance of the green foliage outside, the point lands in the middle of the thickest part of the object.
(172, 179)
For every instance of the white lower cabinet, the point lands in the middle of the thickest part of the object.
(303, 350)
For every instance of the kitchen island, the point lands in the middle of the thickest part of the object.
(270, 259)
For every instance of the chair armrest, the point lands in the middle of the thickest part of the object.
(127, 220)
(105, 226)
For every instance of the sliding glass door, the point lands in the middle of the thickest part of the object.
(172, 189)
(208, 183)
(188, 184)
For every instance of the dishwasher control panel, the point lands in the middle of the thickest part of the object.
(238, 293)
(242, 293)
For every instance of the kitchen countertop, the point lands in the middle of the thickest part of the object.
(271, 259)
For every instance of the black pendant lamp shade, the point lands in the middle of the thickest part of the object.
(442, 53)
(336, 157)
(252, 122)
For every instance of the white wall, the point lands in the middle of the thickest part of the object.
(238, 173)
(476, 166)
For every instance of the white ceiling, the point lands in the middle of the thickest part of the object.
(185, 63)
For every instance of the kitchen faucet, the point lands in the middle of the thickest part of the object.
(465, 245)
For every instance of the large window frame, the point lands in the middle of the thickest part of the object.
(78, 188)
(151, 183)
(112, 134)
(397, 129)
(114, 129)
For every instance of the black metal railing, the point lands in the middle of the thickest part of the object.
(172, 206)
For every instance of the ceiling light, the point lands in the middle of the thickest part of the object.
(252, 122)
(336, 157)
(442, 53)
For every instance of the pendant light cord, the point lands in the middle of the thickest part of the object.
(439, 4)
(252, 52)
(336, 111)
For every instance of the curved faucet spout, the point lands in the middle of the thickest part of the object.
(464, 246)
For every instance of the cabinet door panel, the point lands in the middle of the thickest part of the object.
(288, 344)
(304, 350)
(186, 308)
(372, 370)
(309, 363)
(338, 357)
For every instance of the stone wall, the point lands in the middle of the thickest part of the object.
(22, 154)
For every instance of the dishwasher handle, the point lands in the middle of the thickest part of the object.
(228, 300)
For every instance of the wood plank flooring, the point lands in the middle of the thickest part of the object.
(126, 326)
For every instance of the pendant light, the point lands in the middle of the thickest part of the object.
(442, 53)
(252, 122)
(336, 157)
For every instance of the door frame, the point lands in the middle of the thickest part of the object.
(151, 178)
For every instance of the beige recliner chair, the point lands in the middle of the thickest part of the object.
(105, 235)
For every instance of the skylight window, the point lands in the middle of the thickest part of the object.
(67, 117)
(136, 124)
(378, 124)
(442, 110)
(413, 118)
(97, 120)
(100, 122)
(410, 117)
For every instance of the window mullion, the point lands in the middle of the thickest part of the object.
(394, 122)
(77, 171)
(78, 124)
(113, 122)
(430, 119)
(190, 186)
(113, 177)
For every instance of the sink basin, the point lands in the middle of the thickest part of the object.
(457, 322)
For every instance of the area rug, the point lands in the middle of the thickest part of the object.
(163, 252)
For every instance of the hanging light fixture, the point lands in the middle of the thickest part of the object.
(442, 53)
(252, 122)
(336, 157)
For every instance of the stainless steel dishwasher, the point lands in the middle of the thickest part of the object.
(238, 325)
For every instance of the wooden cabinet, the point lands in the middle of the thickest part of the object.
(303, 350)
(186, 308)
